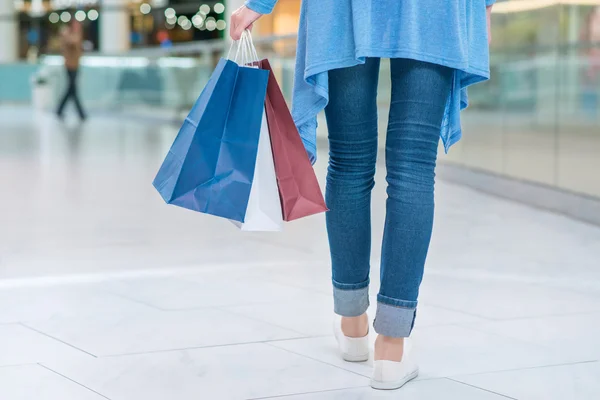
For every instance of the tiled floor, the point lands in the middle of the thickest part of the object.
(107, 293)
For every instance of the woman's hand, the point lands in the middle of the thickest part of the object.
(242, 19)
(489, 23)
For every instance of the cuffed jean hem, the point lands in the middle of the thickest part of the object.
(394, 318)
(350, 300)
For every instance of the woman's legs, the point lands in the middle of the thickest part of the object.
(419, 95)
(352, 124)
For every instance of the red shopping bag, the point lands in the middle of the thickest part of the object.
(298, 186)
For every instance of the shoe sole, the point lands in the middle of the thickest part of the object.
(355, 358)
(393, 385)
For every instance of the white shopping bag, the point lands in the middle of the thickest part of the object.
(264, 205)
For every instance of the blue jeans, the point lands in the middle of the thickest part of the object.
(419, 94)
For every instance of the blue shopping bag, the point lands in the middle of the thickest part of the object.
(210, 166)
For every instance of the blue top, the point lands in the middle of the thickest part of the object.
(341, 33)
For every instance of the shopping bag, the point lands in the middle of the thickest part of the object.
(299, 189)
(210, 166)
(264, 206)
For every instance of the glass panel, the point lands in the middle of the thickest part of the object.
(579, 124)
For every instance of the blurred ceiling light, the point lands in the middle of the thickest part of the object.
(170, 13)
(197, 20)
(219, 8)
(204, 8)
(187, 25)
(211, 25)
(172, 20)
(221, 25)
(54, 18)
(182, 20)
(92, 15)
(80, 16)
(36, 8)
(65, 16)
(145, 8)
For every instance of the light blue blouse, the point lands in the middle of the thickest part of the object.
(342, 33)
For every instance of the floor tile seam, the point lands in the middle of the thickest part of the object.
(57, 339)
(308, 289)
(474, 315)
(140, 353)
(73, 380)
(567, 364)
(510, 338)
(308, 393)
(239, 314)
(549, 283)
(495, 320)
(483, 389)
(557, 315)
(214, 307)
(128, 298)
(18, 365)
(316, 360)
(500, 335)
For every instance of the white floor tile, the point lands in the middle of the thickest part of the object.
(43, 303)
(576, 381)
(325, 349)
(82, 204)
(444, 351)
(19, 345)
(441, 351)
(205, 290)
(315, 277)
(311, 315)
(229, 372)
(575, 336)
(417, 390)
(29, 382)
(428, 315)
(503, 300)
(160, 330)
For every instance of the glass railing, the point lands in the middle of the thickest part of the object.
(163, 81)
(537, 120)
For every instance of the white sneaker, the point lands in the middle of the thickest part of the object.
(390, 375)
(352, 349)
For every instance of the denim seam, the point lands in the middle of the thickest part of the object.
(359, 286)
(393, 305)
(380, 297)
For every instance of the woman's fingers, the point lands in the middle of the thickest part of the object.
(243, 18)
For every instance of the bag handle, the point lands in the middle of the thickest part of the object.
(245, 54)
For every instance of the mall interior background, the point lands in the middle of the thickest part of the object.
(537, 120)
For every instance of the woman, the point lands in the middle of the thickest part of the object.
(437, 48)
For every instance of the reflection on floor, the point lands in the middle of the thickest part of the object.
(107, 293)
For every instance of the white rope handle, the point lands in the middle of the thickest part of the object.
(246, 52)
(252, 48)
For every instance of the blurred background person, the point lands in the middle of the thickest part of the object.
(71, 37)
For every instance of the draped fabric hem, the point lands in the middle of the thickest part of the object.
(450, 133)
